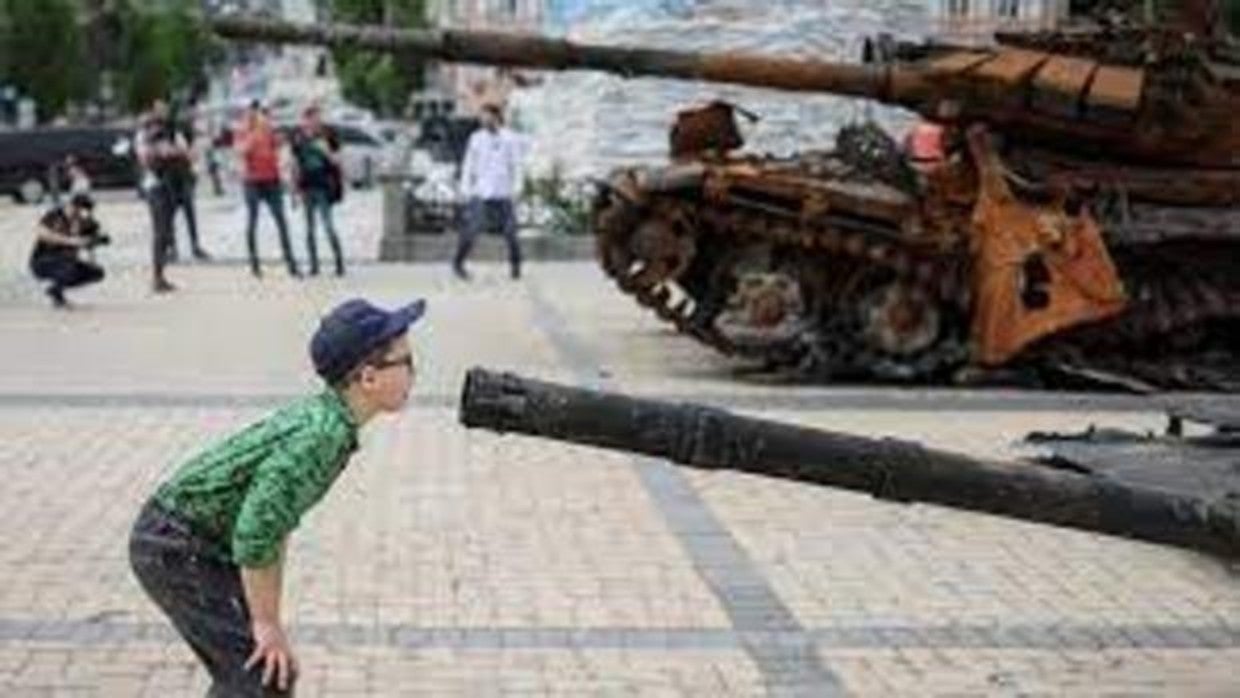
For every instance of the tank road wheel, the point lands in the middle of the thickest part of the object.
(907, 334)
(759, 302)
(900, 319)
(877, 326)
(765, 311)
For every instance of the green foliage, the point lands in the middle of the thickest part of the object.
(163, 50)
(565, 204)
(378, 81)
(42, 53)
(58, 51)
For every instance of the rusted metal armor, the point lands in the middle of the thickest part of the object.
(1086, 215)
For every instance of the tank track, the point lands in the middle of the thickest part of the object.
(683, 258)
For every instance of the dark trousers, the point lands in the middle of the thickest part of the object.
(272, 194)
(318, 204)
(201, 595)
(497, 212)
(65, 271)
(161, 202)
(183, 200)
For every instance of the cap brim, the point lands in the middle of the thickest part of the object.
(402, 318)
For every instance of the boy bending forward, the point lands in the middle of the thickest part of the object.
(209, 547)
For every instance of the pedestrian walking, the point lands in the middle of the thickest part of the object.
(258, 144)
(316, 156)
(489, 177)
(211, 545)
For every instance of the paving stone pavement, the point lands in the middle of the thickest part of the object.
(448, 562)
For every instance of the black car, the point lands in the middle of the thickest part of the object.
(31, 159)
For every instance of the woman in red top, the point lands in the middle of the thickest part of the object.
(259, 145)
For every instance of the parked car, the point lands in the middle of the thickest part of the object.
(31, 159)
(360, 154)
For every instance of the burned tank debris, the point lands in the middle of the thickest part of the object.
(1174, 490)
(1084, 218)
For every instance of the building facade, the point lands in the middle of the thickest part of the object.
(976, 21)
(471, 86)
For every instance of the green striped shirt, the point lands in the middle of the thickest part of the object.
(246, 493)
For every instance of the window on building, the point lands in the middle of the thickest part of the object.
(957, 8)
(1007, 9)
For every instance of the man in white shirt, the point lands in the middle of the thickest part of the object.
(489, 178)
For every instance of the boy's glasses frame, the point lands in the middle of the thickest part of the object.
(406, 361)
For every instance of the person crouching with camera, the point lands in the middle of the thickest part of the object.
(63, 233)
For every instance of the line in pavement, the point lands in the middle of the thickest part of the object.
(790, 667)
(1055, 636)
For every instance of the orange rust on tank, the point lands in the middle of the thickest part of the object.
(957, 62)
(792, 74)
(1008, 238)
(1116, 88)
(706, 129)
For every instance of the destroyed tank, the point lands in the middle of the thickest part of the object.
(1084, 216)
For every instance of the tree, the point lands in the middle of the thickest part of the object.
(59, 51)
(163, 51)
(41, 53)
(378, 81)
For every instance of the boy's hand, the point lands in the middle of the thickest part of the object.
(271, 648)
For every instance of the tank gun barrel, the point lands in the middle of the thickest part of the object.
(710, 438)
(527, 51)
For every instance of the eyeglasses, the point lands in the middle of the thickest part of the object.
(405, 360)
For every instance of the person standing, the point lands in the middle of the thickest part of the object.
(316, 154)
(259, 146)
(488, 182)
(183, 180)
(161, 151)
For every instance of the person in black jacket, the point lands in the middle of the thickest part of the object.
(316, 152)
(63, 233)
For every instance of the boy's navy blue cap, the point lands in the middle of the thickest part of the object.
(82, 201)
(354, 329)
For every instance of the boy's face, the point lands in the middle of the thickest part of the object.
(387, 382)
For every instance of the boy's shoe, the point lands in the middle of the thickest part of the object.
(460, 272)
(201, 255)
(515, 274)
(162, 286)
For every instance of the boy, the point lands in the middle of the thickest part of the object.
(209, 547)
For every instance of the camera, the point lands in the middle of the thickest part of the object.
(95, 237)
